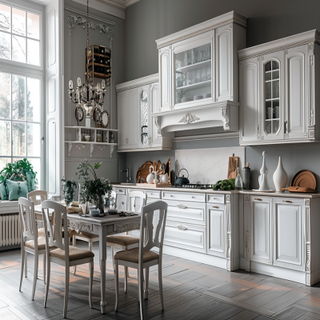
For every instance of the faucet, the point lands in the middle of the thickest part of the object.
(126, 170)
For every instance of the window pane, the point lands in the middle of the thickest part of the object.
(5, 46)
(33, 25)
(18, 97)
(18, 49)
(33, 140)
(3, 162)
(18, 139)
(33, 47)
(5, 23)
(33, 100)
(5, 138)
(5, 95)
(18, 22)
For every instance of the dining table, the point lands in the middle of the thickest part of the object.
(117, 222)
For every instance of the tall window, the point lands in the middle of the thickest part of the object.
(21, 77)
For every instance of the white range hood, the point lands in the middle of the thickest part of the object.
(222, 115)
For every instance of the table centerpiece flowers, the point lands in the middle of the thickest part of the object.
(68, 188)
(93, 189)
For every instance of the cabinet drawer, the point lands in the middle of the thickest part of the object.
(185, 236)
(185, 196)
(216, 198)
(153, 194)
(122, 191)
(187, 212)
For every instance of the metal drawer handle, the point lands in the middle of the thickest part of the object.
(182, 206)
(258, 199)
(181, 227)
(122, 203)
(216, 207)
(193, 197)
(171, 195)
(120, 190)
(288, 201)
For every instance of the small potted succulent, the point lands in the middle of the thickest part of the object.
(68, 189)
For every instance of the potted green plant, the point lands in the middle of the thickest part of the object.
(93, 189)
(68, 189)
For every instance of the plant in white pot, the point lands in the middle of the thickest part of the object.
(93, 189)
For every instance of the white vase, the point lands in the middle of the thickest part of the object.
(263, 183)
(280, 177)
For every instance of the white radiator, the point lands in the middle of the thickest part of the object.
(10, 233)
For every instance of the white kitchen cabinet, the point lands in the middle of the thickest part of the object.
(277, 91)
(138, 130)
(198, 69)
(288, 226)
(280, 236)
(261, 229)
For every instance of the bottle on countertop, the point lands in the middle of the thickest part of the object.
(246, 177)
(238, 185)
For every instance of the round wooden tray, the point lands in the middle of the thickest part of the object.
(304, 178)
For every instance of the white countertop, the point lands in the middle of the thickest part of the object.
(250, 192)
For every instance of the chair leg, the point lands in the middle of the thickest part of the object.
(160, 285)
(47, 282)
(116, 283)
(140, 282)
(146, 283)
(125, 279)
(44, 268)
(74, 240)
(90, 284)
(26, 265)
(22, 266)
(66, 291)
(35, 275)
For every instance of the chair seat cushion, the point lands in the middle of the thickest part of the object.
(132, 255)
(74, 254)
(124, 240)
(41, 243)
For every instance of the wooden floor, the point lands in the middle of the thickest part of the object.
(191, 291)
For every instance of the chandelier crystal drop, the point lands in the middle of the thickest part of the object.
(87, 95)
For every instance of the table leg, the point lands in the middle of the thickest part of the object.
(102, 260)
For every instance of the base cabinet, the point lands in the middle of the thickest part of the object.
(279, 237)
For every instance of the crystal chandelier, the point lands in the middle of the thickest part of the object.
(87, 95)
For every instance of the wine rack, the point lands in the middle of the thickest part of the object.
(99, 62)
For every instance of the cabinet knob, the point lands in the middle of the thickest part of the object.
(181, 227)
(122, 203)
(258, 199)
(182, 206)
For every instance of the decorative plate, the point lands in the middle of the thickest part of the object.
(79, 113)
(104, 119)
(96, 114)
(304, 178)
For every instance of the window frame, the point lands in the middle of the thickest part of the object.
(32, 71)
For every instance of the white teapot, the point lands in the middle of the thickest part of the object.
(150, 176)
(164, 178)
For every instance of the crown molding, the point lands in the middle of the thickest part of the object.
(113, 7)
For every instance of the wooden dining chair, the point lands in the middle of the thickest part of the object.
(136, 200)
(30, 242)
(142, 257)
(64, 254)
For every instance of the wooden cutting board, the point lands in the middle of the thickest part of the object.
(298, 189)
(232, 167)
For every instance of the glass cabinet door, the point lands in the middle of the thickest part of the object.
(193, 74)
(271, 97)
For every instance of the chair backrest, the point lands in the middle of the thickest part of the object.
(152, 235)
(29, 229)
(136, 200)
(54, 232)
(113, 197)
(37, 196)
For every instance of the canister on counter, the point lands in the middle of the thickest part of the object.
(246, 177)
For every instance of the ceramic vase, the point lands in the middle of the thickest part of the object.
(280, 176)
(263, 183)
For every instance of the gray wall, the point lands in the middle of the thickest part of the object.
(148, 20)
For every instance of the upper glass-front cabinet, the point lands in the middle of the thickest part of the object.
(272, 97)
(193, 74)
